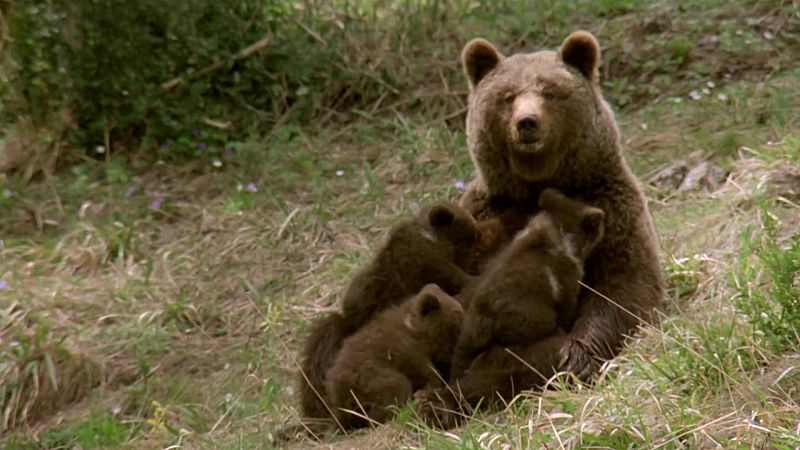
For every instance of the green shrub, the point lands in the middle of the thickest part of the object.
(105, 62)
(182, 78)
(768, 276)
(175, 78)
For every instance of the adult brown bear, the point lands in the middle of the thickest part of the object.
(538, 120)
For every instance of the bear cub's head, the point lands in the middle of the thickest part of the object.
(582, 226)
(448, 223)
(527, 110)
(435, 318)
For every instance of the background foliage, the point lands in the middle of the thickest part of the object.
(106, 65)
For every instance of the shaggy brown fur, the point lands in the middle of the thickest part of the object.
(494, 377)
(531, 287)
(319, 352)
(497, 231)
(437, 246)
(392, 356)
(538, 120)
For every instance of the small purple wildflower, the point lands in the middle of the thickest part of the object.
(252, 187)
(202, 146)
(155, 193)
(228, 150)
(130, 191)
(156, 204)
(3, 284)
(195, 132)
(460, 185)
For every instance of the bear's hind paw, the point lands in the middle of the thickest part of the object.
(438, 408)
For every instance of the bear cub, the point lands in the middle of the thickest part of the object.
(392, 356)
(531, 287)
(437, 246)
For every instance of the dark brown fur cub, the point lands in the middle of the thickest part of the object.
(531, 288)
(437, 246)
(319, 351)
(392, 356)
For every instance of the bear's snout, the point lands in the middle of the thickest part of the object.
(528, 129)
(527, 124)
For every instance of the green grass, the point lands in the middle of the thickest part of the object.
(193, 289)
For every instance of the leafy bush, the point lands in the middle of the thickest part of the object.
(183, 79)
(106, 60)
(190, 77)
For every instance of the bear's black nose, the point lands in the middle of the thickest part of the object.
(527, 124)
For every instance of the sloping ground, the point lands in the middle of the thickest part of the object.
(168, 308)
(704, 377)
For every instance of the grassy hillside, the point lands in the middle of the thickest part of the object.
(148, 304)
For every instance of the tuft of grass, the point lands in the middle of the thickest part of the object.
(39, 373)
(768, 276)
(97, 431)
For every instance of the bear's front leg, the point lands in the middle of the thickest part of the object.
(475, 337)
(609, 312)
(475, 198)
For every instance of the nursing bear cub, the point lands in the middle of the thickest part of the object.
(530, 289)
(438, 245)
(393, 355)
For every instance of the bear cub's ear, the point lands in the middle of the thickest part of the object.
(440, 215)
(581, 51)
(427, 303)
(592, 222)
(479, 57)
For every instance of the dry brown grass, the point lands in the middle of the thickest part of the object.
(39, 376)
(201, 306)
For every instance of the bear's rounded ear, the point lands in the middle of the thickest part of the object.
(427, 303)
(592, 222)
(479, 57)
(581, 51)
(441, 215)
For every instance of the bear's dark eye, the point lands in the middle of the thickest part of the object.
(509, 98)
(548, 95)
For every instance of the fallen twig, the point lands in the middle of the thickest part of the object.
(241, 54)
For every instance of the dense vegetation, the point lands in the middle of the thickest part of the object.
(197, 77)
